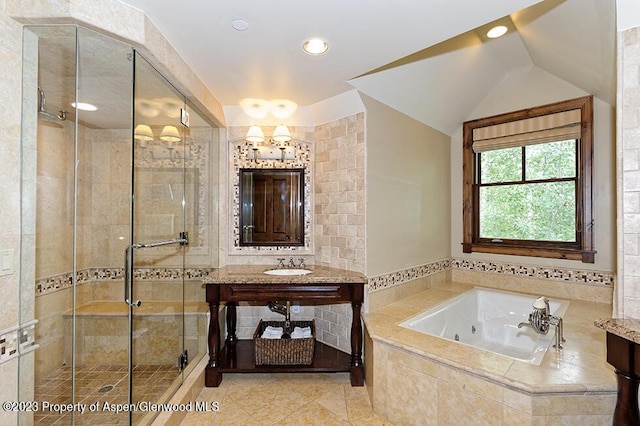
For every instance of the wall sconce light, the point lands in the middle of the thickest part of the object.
(281, 135)
(158, 150)
(170, 134)
(143, 133)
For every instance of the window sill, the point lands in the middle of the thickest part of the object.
(585, 256)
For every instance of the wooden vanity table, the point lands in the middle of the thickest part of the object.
(234, 284)
(623, 353)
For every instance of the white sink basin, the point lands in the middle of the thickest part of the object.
(287, 272)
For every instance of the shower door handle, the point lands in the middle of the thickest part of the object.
(183, 240)
(128, 294)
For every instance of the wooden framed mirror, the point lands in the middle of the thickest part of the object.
(271, 207)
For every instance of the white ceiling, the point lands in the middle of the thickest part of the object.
(422, 57)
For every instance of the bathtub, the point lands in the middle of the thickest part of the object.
(488, 319)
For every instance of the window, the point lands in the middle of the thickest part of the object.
(527, 182)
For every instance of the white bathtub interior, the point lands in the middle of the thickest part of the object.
(488, 319)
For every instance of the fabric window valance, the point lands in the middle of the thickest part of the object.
(559, 126)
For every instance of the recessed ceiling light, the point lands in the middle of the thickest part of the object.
(315, 46)
(239, 24)
(84, 106)
(496, 32)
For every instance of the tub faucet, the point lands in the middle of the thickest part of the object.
(540, 320)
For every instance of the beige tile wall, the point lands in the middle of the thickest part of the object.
(10, 214)
(628, 154)
(338, 222)
(340, 193)
(386, 296)
(340, 215)
(409, 389)
(54, 328)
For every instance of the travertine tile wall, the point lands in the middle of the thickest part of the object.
(10, 220)
(450, 396)
(628, 156)
(340, 193)
(54, 200)
(340, 216)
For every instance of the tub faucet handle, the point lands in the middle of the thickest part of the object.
(539, 303)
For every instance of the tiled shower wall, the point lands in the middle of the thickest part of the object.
(628, 157)
(11, 219)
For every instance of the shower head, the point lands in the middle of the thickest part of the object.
(46, 115)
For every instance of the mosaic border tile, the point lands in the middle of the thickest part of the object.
(538, 272)
(58, 282)
(601, 278)
(241, 157)
(395, 278)
(17, 341)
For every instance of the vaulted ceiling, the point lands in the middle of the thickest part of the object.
(426, 59)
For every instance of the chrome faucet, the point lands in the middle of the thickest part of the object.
(291, 263)
(280, 262)
(302, 264)
(540, 320)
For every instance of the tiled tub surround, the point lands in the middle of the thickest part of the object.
(573, 284)
(462, 385)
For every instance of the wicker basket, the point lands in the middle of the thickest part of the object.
(284, 351)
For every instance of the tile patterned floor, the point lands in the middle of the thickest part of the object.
(150, 381)
(243, 399)
(286, 399)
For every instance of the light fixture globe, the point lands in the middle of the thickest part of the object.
(281, 134)
(170, 134)
(254, 135)
(143, 132)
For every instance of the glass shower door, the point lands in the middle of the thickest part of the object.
(159, 239)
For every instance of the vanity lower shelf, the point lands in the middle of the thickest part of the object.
(323, 286)
(325, 360)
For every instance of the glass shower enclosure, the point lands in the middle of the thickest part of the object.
(117, 172)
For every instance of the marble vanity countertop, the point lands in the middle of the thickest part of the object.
(626, 328)
(254, 274)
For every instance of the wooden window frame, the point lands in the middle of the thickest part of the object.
(583, 248)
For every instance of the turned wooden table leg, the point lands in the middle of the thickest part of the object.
(357, 366)
(213, 375)
(231, 339)
(626, 412)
